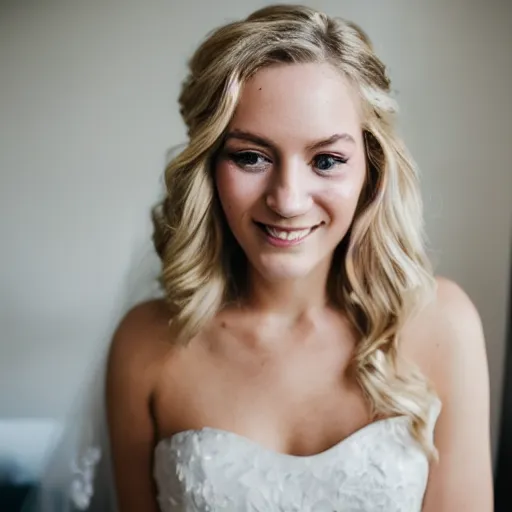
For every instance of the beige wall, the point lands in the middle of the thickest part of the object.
(88, 110)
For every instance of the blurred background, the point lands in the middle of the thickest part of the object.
(88, 111)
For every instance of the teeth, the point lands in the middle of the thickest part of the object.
(288, 235)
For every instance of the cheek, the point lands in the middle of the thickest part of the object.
(342, 198)
(237, 192)
(346, 192)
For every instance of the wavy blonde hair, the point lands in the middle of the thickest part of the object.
(380, 271)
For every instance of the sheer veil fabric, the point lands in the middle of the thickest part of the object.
(78, 472)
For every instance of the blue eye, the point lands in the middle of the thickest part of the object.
(326, 163)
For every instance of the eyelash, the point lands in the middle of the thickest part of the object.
(237, 158)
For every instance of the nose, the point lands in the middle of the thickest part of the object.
(289, 193)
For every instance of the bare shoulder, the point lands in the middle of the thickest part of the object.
(140, 341)
(446, 334)
(454, 306)
(450, 308)
(145, 316)
(142, 333)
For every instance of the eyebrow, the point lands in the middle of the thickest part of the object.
(261, 141)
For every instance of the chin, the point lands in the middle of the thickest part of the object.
(277, 268)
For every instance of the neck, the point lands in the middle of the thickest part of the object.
(290, 299)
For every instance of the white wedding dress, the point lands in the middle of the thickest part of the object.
(380, 468)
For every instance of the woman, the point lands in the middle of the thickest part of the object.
(304, 357)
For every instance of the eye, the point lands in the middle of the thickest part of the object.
(249, 160)
(325, 163)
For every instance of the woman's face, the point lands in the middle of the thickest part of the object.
(292, 168)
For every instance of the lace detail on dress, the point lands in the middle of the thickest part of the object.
(379, 468)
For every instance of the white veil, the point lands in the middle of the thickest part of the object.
(78, 474)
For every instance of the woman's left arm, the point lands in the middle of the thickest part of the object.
(462, 479)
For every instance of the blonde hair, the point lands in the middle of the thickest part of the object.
(380, 272)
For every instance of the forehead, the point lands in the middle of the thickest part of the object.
(298, 102)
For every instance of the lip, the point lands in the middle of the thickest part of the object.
(285, 228)
(278, 242)
(288, 230)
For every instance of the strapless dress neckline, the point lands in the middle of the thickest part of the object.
(365, 430)
(378, 468)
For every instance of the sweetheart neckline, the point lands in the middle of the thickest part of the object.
(247, 440)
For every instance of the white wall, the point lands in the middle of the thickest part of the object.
(88, 110)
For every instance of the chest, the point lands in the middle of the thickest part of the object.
(298, 401)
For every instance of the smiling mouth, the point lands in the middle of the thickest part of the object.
(286, 234)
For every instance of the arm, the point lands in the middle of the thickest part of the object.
(130, 378)
(462, 479)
